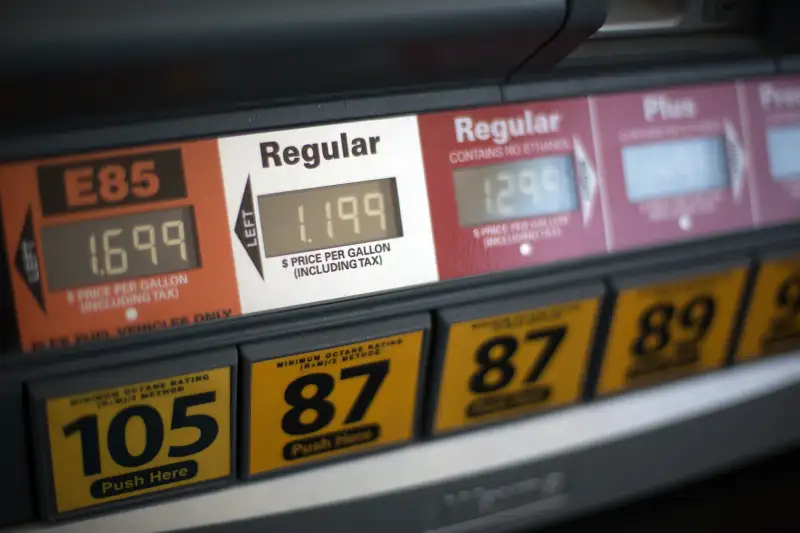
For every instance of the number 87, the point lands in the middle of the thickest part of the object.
(324, 410)
(508, 346)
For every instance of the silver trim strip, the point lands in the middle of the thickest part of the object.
(431, 462)
(629, 16)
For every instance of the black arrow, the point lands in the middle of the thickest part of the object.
(246, 230)
(27, 261)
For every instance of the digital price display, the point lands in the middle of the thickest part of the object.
(669, 326)
(535, 187)
(772, 324)
(122, 247)
(674, 168)
(784, 161)
(327, 212)
(332, 393)
(329, 217)
(674, 164)
(773, 113)
(512, 186)
(117, 243)
(500, 360)
(120, 435)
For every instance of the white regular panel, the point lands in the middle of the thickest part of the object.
(327, 212)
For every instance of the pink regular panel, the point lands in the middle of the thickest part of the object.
(512, 186)
(773, 113)
(672, 164)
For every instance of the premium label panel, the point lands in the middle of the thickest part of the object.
(117, 243)
(327, 403)
(668, 330)
(773, 113)
(772, 325)
(673, 164)
(327, 212)
(512, 186)
(503, 366)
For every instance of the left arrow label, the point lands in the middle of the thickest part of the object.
(27, 261)
(246, 229)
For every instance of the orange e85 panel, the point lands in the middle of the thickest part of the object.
(117, 243)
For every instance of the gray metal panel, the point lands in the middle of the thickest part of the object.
(558, 87)
(17, 493)
(21, 147)
(607, 452)
(584, 18)
(790, 64)
(29, 146)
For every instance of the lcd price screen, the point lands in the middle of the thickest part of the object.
(327, 217)
(116, 248)
(674, 168)
(522, 189)
(783, 144)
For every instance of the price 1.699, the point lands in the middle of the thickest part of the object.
(113, 260)
(123, 247)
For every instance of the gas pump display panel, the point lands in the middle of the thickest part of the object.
(512, 186)
(774, 114)
(327, 212)
(117, 243)
(673, 164)
(129, 241)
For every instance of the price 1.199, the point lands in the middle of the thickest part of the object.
(326, 217)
